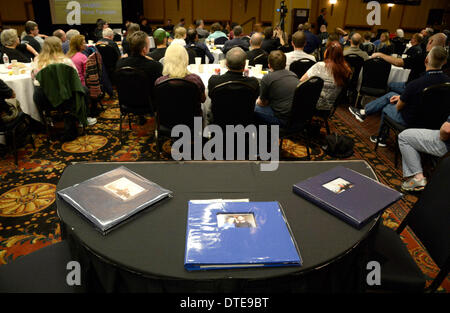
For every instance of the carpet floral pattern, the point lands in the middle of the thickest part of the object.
(28, 217)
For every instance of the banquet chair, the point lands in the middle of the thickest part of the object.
(300, 67)
(233, 103)
(175, 103)
(433, 112)
(356, 63)
(199, 53)
(134, 94)
(109, 57)
(42, 271)
(304, 104)
(375, 75)
(260, 59)
(10, 130)
(327, 114)
(428, 219)
(220, 40)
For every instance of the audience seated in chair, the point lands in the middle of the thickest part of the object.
(132, 28)
(412, 142)
(216, 32)
(256, 53)
(415, 62)
(312, 41)
(298, 43)
(66, 44)
(175, 66)
(335, 72)
(416, 41)
(385, 45)
(403, 109)
(355, 43)
(201, 50)
(11, 46)
(270, 41)
(367, 45)
(237, 41)
(139, 47)
(108, 36)
(235, 61)
(273, 107)
(160, 36)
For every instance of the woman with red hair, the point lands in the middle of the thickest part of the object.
(335, 72)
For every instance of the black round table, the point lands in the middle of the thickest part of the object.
(147, 252)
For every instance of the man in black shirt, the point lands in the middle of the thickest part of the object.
(160, 37)
(256, 51)
(321, 19)
(32, 30)
(236, 58)
(269, 43)
(415, 62)
(139, 47)
(237, 41)
(108, 36)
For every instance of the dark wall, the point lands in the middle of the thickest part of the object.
(131, 10)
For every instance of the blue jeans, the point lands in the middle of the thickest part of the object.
(384, 105)
(397, 87)
(265, 115)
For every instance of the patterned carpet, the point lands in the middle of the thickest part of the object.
(28, 218)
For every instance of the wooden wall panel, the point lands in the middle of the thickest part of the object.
(243, 11)
(154, 9)
(267, 9)
(212, 10)
(16, 10)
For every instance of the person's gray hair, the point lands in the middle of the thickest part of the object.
(71, 33)
(400, 33)
(107, 32)
(437, 57)
(236, 58)
(256, 40)
(9, 37)
(199, 22)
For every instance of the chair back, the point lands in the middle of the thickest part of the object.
(220, 40)
(300, 67)
(233, 103)
(109, 57)
(356, 63)
(429, 218)
(305, 99)
(199, 53)
(375, 74)
(175, 101)
(133, 89)
(192, 54)
(262, 59)
(435, 107)
(399, 45)
(369, 48)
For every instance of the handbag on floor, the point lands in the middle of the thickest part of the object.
(339, 146)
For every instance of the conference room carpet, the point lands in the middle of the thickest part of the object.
(28, 217)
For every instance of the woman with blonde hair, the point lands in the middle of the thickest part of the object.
(77, 46)
(176, 62)
(385, 45)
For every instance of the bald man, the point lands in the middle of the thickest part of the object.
(255, 49)
(355, 42)
(416, 62)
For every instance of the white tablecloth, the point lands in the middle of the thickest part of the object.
(217, 54)
(397, 75)
(22, 85)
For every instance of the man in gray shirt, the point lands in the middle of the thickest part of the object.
(201, 31)
(354, 47)
(273, 107)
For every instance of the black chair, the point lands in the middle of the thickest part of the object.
(300, 67)
(199, 53)
(433, 112)
(260, 59)
(356, 63)
(399, 45)
(43, 271)
(176, 102)
(9, 130)
(375, 75)
(233, 103)
(303, 107)
(134, 91)
(109, 57)
(428, 219)
(192, 54)
(220, 40)
(327, 114)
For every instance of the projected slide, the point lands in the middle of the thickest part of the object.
(85, 11)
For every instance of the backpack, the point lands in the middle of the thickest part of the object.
(339, 146)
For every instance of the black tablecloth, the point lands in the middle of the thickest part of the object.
(147, 252)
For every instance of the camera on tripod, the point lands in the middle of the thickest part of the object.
(283, 9)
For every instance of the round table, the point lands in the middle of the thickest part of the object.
(22, 84)
(217, 53)
(147, 253)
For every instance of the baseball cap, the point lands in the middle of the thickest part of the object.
(160, 34)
